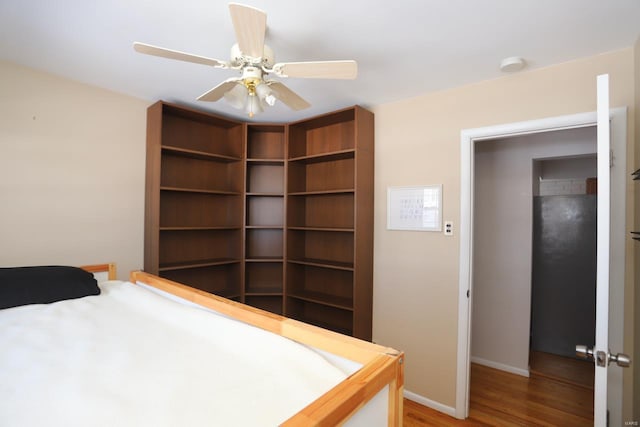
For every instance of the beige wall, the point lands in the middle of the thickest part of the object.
(418, 142)
(503, 223)
(71, 172)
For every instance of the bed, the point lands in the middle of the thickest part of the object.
(150, 351)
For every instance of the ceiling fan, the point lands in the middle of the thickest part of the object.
(253, 90)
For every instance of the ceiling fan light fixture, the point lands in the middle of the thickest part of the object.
(237, 97)
(253, 105)
(265, 93)
(255, 60)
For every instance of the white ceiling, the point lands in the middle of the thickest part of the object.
(404, 48)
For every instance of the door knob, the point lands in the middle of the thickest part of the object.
(621, 359)
(584, 352)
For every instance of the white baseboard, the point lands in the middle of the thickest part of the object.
(500, 366)
(430, 403)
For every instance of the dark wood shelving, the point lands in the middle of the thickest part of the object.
(266, 211)
(264, 277)
(338, 230)
(278, 216)
(196, 264)
(322, 263)
(322, 192)
(329, 233)
(324, 299)
(320, 246)
(197, 190)
(264, 194)
(271, 303)
(265, 217)
(321, 315)
(263, 259)
(275, 293)
(198, 154)
(271, 162)
(193, 173)
(199, 210)
(202, 228)
(325, 157)
(220, 279)
(335, 210)
(193, 193)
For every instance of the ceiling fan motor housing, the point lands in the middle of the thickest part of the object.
(238, 59)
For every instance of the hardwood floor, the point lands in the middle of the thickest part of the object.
(499, 398)
(567, 369)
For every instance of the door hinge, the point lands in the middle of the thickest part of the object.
(611, 157)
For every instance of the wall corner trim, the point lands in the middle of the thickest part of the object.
(430, 403)
(500, 366)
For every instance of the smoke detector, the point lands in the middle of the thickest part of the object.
(512, 64)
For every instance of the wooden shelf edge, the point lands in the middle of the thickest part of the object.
(255, 194)
(325, 157)
(204, 155)
(274, 161)
(322, 192)
(202, 228)
(331, 229)
(197, 264)
(322, 264)
(200, 190)
(263, 294)
(322, 299)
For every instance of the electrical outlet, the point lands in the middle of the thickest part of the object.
(448, 228)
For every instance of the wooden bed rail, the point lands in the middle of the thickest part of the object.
(382, 366)
(109, 268)
(340, 403)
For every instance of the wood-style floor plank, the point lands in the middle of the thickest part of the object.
(567, 369)
(499, 398)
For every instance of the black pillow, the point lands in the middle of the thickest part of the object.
(43, 285)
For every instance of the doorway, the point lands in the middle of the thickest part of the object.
(563, 282)
(503, 241)
(469, 140)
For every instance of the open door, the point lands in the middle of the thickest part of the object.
(601, 355)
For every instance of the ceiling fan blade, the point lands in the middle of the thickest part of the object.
(318, 69)
(288, 97)
(218, 92)
(174, 54)
(250, 25)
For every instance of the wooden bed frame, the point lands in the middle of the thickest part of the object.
(381, 366)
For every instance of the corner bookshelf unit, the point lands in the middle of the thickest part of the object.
(264, 217)
(193, 233)
(330, 221)
(278, 216)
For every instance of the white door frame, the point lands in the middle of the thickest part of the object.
(468, 138)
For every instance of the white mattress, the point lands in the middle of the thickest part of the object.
(129, 357)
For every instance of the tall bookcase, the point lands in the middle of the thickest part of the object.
(264, 217)
(194, 187)
(330, 221)
(278, 216)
